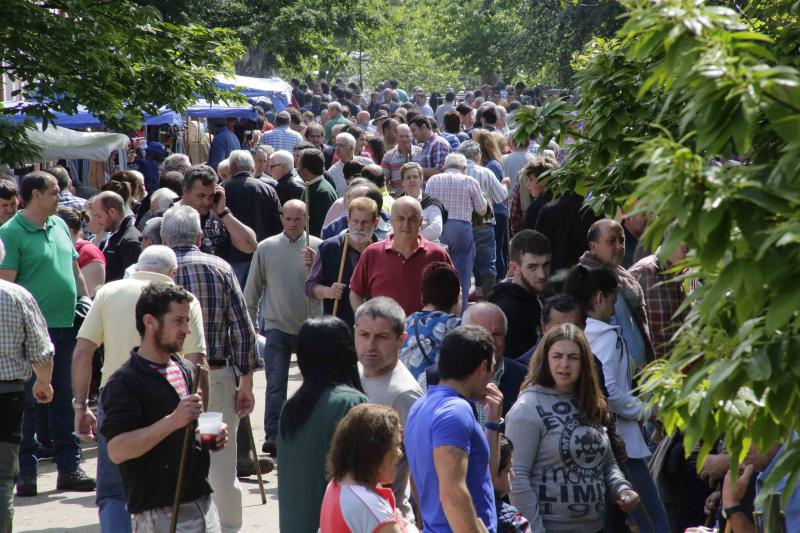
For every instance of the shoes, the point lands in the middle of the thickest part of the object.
(45, 451)
(248, 469)
(270, 447)
(26, 486)
(77, 480)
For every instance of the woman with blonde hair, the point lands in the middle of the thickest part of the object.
(364, 454)
(564, 464)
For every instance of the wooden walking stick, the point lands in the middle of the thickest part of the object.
(254, 452)
(184, 451)
(308, 240)
(341, 269)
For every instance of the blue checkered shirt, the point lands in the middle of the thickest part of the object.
(434, 151)
(281, 138)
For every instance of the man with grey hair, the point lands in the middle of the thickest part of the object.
(483, 227)
(123, 247)
(462, 196)
(111, 323)
(509, 374)
(345, 147)
(334, 118)
(379, 335)
(151, 234)
(224, 170)
(254, 203)
(289, 186)
(176, 163)
(231, 346)
(282, 137)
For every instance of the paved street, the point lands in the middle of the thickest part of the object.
(56, 511)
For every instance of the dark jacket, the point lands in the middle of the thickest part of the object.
(330, 252)
(256, 205)
(523, 311)
(565, 222)
(137, 396)
(122, 249)
(513, 375)
(289, 187)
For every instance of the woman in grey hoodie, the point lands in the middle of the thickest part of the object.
(563, 465)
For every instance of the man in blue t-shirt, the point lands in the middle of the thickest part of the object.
(448, 452)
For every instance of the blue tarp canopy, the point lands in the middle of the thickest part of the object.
(222, 110)
(84, 119)
(277, 90)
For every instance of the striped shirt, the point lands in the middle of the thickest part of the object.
(24, 340)
(281, 138)
(493, 189)
(460, 194)
(229, 332)
(392, 162)
(173, 374)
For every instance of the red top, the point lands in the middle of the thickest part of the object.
(88, 252)
(382, 271)
(355, 509)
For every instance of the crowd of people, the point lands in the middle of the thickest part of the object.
(469, 344)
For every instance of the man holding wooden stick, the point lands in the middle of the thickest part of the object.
(337, 259)
(147, 406)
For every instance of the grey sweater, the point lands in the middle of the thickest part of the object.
(276, 283)
(563, 469)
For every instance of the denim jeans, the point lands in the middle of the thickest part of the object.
(11, 404)
(277, 355)
(649, 516)
(501, 244)
(241, 269)
(457, 235)
(485, 250)
(110, 497)
(66, 448)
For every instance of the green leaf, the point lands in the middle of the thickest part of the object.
(782, 307)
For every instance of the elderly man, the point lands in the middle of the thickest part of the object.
(323, 281)
(26, 346)
(65, 188)
(319, 195)
(110, 323)
(176, 163)
(230, 345)
(9, 200)
(389, 131)
(461, 196)
(421, 103)
(254, 203)
(393, 267)
(282, 137)
(393, 161)
(276, 286)
(261, 154)
(607, 248)
(483, 227)
(55, 281)
(123, 247)
(315, 134)
(289, 186)
(221, 229)
(345, 148)
(224, 170)
(379, 335)
(334, 118)
(225, 140)
(434, 147)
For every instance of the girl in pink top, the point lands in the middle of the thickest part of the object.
(363, 455)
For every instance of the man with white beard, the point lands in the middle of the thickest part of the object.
(323, 281)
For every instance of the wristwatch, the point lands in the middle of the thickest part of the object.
(498, 426)
(225, 212)
(728, 511)
(78, 406)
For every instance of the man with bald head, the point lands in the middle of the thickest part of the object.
(607, 249)
(393, 267)
(122, 248)
(393, 161)
(509, 374)
(276, 285)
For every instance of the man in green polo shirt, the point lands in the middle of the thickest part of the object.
(40, 257)
(334, 117)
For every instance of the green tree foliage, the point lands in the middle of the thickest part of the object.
(693, 111)
(116, 58)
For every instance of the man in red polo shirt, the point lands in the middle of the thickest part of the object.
(393, 267)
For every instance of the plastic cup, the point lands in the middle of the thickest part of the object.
(209, 426)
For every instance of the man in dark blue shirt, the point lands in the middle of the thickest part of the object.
(225, 141)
